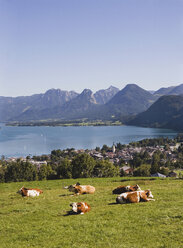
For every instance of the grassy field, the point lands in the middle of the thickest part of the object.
(42, 221)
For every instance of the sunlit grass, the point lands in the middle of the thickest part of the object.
(42, 221)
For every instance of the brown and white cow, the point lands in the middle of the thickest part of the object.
(29, 192)
(135, 197)
(81, 189)
(122, 189)
(80, 207)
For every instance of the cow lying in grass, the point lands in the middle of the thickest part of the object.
(81, 189)
(80, 207)
(135, 197)
(122, 189)
(29, 192)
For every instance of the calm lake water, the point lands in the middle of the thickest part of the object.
(23, 141)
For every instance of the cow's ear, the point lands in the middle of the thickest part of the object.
(77, 184)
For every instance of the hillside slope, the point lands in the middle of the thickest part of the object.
(166, 112)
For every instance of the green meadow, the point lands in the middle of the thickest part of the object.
(43, 221)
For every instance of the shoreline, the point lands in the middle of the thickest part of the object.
(65, 124)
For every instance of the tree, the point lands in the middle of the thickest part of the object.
(142, 170)
(136, 161)
(82, 165)
(12, 173)
(121, 162)
(155, 162)
(156, 157)
(44, 172)
(97, 149)
(28, 171)
(123, 173)
(146, 156)
(105, 148)
(105, 168)
(165, 171)
(2, 175)
(119, 146)
(56, 155)
(155, 168)
(64, 169)
(20, 171)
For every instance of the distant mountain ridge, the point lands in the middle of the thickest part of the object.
(172, 90)
(51, 104)
(71, 108)
(166, 112)
(11, 107)
(164, 91)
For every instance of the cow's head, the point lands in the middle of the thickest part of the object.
(137, 187)
(20, 190)
(71, 188)
(149, 194)
(74, 207)
(128, 188)
(133, 188)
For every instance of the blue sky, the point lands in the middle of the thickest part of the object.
(77, 44)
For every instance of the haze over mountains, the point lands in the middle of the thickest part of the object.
(105, 104)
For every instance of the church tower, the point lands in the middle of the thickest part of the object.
(113, 148)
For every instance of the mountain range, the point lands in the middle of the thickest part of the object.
(51, 104)
(64, 105)
(106, 104)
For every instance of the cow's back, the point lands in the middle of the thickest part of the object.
(84, 189)
(128, 197)
(120, 190)
(83, 207)
(90, 189)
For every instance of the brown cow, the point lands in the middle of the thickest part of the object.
(135, 197)
(29, 192)
(80, 207)
(81, 189)
(122, 189)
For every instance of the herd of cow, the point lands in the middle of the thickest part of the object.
(126, 194)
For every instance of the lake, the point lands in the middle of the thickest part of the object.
(23, 141)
